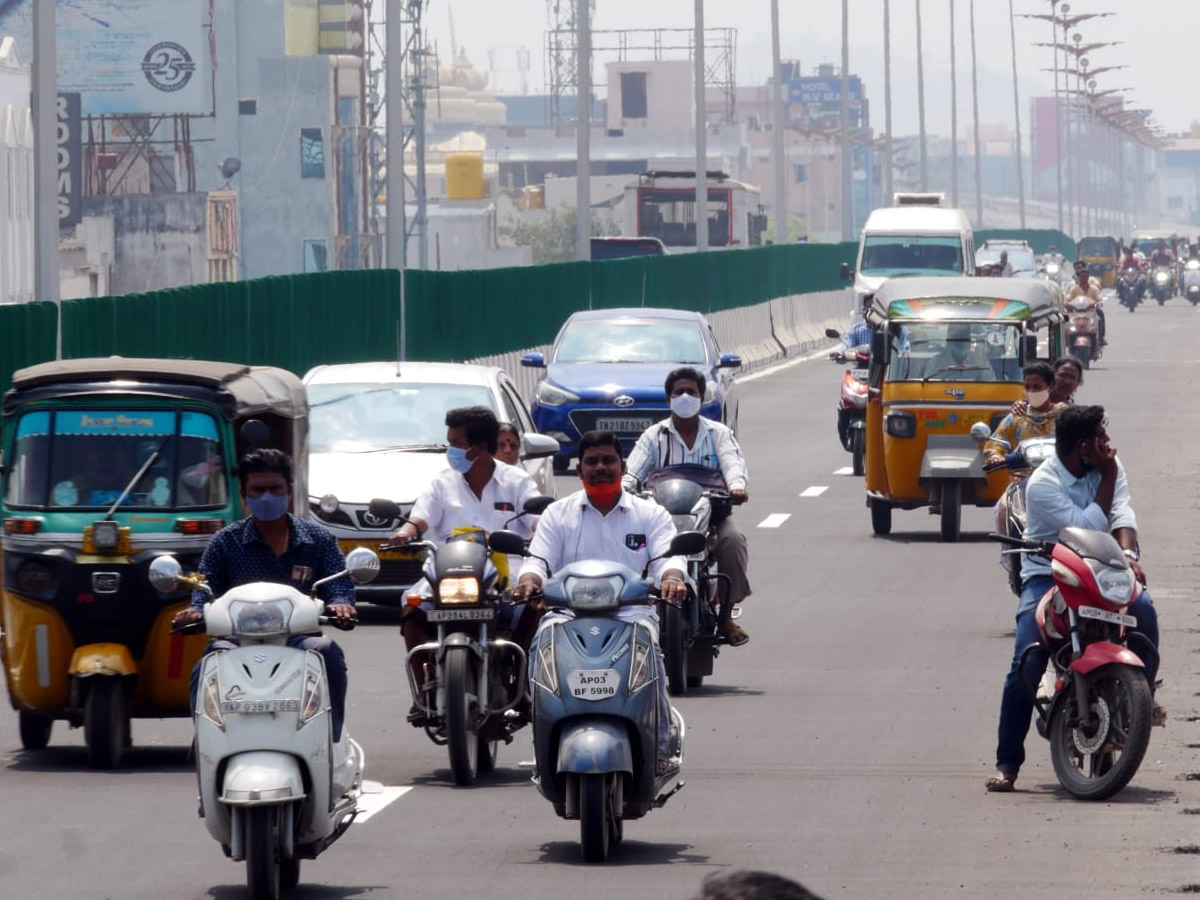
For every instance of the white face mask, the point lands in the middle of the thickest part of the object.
(685, 405)
(1037, 399)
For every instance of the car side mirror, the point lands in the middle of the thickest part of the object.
(534, 360)
(165, 574)
(537, 446)
(507, 542)
(845, 272)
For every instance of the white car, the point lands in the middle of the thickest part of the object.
(379, 430)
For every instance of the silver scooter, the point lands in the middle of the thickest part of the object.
(274, 787)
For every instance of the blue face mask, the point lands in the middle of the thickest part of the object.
(268, 507)
(457, 457)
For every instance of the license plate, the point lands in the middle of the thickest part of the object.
(859, 374)
(623, 425)
(260, 706)
(460, 615)
(593, 684)
(1103, 615)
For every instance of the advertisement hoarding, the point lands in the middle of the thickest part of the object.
(69, 148)
(815, 104)
(126, 56)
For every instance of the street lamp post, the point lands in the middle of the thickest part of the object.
(701, 215)
(888, 186)
(953, 113)
(45, 163)
(975, 117)
(847, 167)
(921, 104)
(1012, 30)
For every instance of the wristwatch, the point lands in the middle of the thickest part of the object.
(1131, 554)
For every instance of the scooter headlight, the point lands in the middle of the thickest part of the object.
(260, 619)
(1116, 585)
(458, 591)
(641, 661)
(1161, 277)
(313, 701)
(545, 671)
(594, 594)
(210, 700)
(1193, 265)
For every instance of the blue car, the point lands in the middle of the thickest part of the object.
(607, 370)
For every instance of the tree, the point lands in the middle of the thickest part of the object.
(552, 237)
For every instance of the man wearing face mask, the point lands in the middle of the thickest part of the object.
(688, 438)
(1083, 485)
(1087, 286)
(477, 491)
(273, 545)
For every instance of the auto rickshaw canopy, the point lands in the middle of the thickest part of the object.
(1013, 299)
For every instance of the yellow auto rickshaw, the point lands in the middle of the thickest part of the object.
(107, 465)
(1103, 258)
(947, 353)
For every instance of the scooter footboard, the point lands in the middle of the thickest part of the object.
(261, 778)
(595, 747)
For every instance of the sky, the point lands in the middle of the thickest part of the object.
(1155, 55)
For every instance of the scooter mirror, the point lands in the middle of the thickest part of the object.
(832, 333)
(688, 543)
(384, 509)
(165, 574)
(362, 564)
(507, 542)
(535, 506)
(980, 432)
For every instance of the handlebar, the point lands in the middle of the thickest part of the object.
(1037, 548)
(339, 624)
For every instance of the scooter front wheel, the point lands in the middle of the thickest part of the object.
(262, 860)
(1095, 759)
(595, 830)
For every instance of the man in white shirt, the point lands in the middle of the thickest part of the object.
(604, 522)
(688, 438)
(477, 491)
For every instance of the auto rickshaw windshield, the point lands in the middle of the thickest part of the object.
(85, 459)
(955, 351)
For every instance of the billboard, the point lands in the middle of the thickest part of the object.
(815, 104)
(70, 161)
(125, 56)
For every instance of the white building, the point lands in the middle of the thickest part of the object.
(16, 177)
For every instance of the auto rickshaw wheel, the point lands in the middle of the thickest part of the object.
(35, 730)
(951, 511)
(881, 517)
(106, 727)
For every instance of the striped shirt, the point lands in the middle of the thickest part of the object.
(660, 446)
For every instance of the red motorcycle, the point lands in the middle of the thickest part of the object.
(852, 404)
(1094, 703)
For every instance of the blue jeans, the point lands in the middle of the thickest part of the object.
(1016, 707)
(335, 670)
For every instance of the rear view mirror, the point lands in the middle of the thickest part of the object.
(165, 574)
(980, 432)
(385, 509)
(832, 333)
(537, 446)
(362, 564)
(535, 506)
(687, 543)
(507, 542)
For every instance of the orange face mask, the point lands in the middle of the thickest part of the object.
(602, 494)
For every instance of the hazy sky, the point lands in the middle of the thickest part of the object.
(1157, 48)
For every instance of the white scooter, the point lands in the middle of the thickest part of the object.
(274, 787)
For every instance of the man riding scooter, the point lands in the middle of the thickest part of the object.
(1086, 286)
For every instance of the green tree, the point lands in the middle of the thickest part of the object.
(552, 238)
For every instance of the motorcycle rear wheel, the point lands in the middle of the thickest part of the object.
(461, 739)
(1125, 694)
(595, 830)
(262, 863)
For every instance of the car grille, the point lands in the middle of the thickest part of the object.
(403, 572)
(624, 422)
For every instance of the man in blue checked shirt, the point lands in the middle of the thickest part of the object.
(688, 438)
(273, 545)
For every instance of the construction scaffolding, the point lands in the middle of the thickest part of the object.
(634, 45)
(137, 154)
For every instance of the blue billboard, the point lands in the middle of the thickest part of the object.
(815, 104)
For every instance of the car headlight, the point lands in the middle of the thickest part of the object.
(1116, 585)
(210, 700)
(549, 395)
(313, 701)
(260, 619)
(641, 661)
(328, 504)
(594, 594)
(545, 672)
(457, 591)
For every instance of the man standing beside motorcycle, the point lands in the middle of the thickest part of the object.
(1085, 286)
(688, 438)
(1083, 485)
(604, 522)
(273, 545)
(477, 491)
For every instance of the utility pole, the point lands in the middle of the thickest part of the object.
(394, 100)
(921, 104)
(953, 114)
(847, 147)
(975, 115)
(778, 112)
(583, 133)
(45, 162)
(887, 101)
(701, 136)
(1012, 30)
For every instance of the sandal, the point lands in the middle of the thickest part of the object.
(1001, 783)
(734, 635)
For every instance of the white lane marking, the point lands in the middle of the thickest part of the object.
(774, 520)
(754, 376)
(814, 491)
(845, 470)
(376, 798)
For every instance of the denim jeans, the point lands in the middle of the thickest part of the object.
(1016, 707)
(335, 670)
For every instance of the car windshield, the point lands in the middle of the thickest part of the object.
(84, 459)
(1020, 258)
(889, 255)
(630, 341)
(360, 418)
(955, 351)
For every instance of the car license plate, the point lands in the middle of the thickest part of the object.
(260, 706)
(623, 425)
(1103, 615)
(593, 684)
(460, 615)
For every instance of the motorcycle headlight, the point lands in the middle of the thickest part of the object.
(260, 619)
(313, 700)
(594, 594)
(545, 672)
(457, 591)
(1116, 585)
(641, 661)
(549, 395)
(1193, 264)
(210, 700)
(1161, 277)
